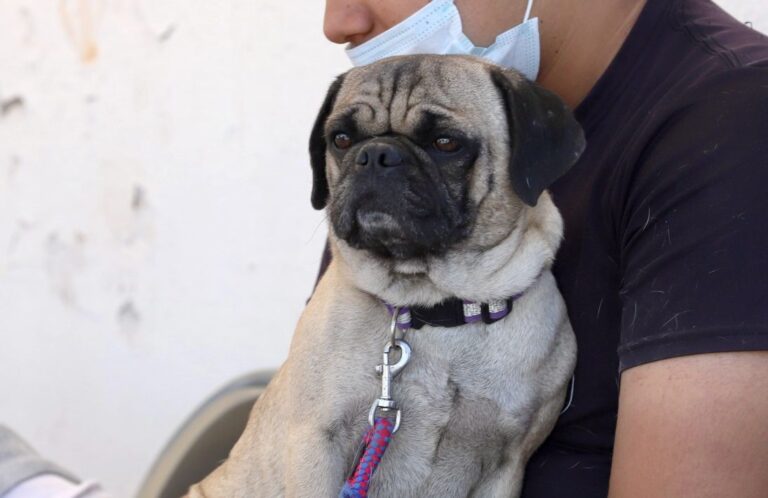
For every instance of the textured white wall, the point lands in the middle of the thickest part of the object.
(156, 236)
(752, 12)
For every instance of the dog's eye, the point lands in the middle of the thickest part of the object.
(342, 141)
(446, 144)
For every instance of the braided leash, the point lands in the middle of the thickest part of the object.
(384, 415)
(374, 445)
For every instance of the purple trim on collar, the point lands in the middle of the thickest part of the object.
(404, 321)
(498, 309)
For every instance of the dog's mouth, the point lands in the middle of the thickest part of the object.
(382, 233)
(377, 222)
(393, 232)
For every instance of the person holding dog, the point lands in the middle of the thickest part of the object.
(659, 267)
(665, 250)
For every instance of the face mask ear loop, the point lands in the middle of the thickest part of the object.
(528, 10)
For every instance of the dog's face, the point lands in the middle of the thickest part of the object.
(415, 155)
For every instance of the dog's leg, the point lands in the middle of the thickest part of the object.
(196, 491)
(220, 484)
(315, 466)
(505, 482)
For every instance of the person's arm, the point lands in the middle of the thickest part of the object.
(693, 404)
(693, 426)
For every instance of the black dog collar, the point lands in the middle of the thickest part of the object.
(452, 313)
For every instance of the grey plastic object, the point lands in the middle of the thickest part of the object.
(19, 462)
(205, 439)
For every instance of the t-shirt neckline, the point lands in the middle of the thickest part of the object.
(618, 73)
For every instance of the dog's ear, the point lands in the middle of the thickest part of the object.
(544, 136)
(317, 146)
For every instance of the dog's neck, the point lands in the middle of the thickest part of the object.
(498, 272)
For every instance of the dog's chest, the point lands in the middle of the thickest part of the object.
(471, 378)
(465, 402)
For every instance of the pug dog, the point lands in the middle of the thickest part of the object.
(433, 172)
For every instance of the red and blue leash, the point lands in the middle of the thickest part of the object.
(375, 443)
(384, 415)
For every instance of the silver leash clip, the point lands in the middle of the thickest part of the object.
(389, 371)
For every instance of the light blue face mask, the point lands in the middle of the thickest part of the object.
(437, 29)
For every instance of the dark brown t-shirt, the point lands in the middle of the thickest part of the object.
(666, 247)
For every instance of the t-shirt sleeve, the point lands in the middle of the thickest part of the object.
(694, 243)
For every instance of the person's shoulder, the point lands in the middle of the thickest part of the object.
(715, 34)
(708, 55)
(731, 104)
(720, 124)
(743, 84)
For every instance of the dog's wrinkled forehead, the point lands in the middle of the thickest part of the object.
(397, 94)
(511, 122)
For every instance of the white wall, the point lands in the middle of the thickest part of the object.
(752, 12)
(156, 236)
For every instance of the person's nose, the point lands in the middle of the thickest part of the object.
(347, 21)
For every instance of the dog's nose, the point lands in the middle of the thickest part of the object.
(379, 154)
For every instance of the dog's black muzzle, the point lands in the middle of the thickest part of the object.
(391, 203)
